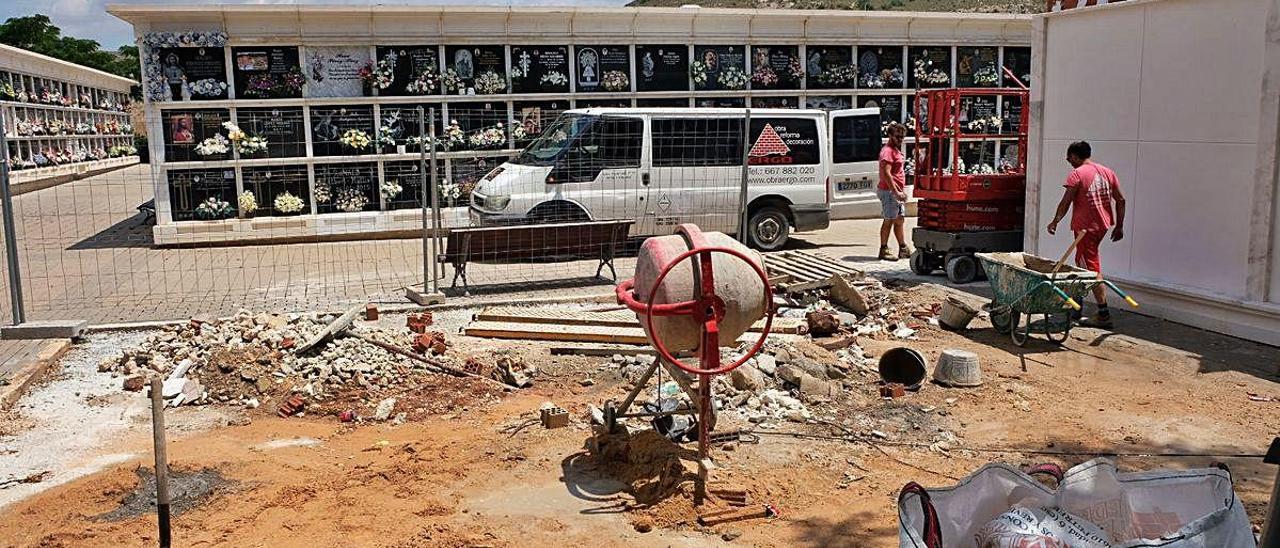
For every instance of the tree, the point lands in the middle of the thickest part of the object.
(37, 33)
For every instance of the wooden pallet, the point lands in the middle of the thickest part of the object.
(800, 271)
(613, 318)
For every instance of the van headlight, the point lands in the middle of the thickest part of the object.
(497, 203)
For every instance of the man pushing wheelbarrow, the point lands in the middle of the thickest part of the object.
(1091, 190)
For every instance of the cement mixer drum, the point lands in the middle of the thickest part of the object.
(736, 283)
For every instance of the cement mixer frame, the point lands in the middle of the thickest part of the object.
(708, 309)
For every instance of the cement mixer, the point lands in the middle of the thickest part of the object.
(696, 308)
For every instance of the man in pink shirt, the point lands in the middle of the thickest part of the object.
(892, 192)
(1091, 190)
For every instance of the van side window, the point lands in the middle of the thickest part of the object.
(610, 143)
(856, 139)
(697, 142)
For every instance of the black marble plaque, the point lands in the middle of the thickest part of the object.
(540, 69)
(830, 67)
(662, 67)
(399, 129)
(776, 67)
(1019, 62)
(283, 128)
(411, 64)
(719, 68)
(267, 72)
(721, 102)
(890, 106)
(185, 130)
(881, 67)
(661, 102)
(188, 188)
(828, 102)
(346, 188)
(929, 67)
(482, 69)
(775, 102)
(331, 124)
(194, 74)
(977, 67)
(602, 68)
(267, 183)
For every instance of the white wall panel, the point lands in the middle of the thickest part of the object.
(1093, 62)
(1121, 157)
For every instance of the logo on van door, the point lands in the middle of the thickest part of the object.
(768, 144)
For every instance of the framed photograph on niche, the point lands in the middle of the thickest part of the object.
(267, 72)
(342, 130)
(540, 69)
(719, 68)
(662, 68)
(830, 67)
(194, 74)
(191, 191)
(282, 127)
(776, 67)
(196, 135)
(344, 71)
(531, 116)
(475, 70)
(880, 67)
(278, 190)
(415, 70)
(602, 68)
(977, 67)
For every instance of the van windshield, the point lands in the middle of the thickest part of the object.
(555, 139)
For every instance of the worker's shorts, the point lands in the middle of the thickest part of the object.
(1087, 250)
(890, 207)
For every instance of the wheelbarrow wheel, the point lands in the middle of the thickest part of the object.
(1003, 321)
(962, 269)
(1019, 339)
(1066, 331)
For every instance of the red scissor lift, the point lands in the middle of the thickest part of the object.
(963, 212)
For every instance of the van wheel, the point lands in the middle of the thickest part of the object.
(767, 229)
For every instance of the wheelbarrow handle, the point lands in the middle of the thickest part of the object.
(1070, 302)
(1121, 293)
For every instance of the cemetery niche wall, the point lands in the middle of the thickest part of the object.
(278, 109)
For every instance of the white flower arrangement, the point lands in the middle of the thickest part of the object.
(322, 193)
(615, 80)
(386, 138)
(490, 137)
(453, 135)
(958, 167)
(213, 146)
(732, 78)
(764, 76)
(986, 76)
(490, 83)
(837, 76)
(981, 169)
(208, 87)
(909, 167)
(518, 132)
(450, 191)
(350, 200)
(355, 139)
(927, 74)
(986, 125)
(555, 78)
(390, 189)
(452, 82)
(244, 143)
(424, 83)
(248, 202)
(698, 72)
(84, 128)
(288, 203)
(122, 150)
(213, 208)
(382, 73)
(214, 39)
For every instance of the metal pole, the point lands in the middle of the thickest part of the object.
(1271, 528)
(162, 460)
(437, 268)
(427, 242)
(10, 233)
(746, 172)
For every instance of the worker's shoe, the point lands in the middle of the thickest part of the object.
(904, 252)
(1102, 320)
(887, 254)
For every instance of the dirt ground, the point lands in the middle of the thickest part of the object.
(483, 474)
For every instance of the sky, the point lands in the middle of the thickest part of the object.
(89, 18)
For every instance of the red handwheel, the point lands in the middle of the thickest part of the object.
(707, 309)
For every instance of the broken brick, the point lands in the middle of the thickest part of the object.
(371, 312)
(418, 323)
(893, 390)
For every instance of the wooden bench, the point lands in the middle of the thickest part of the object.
(505, 244)
(148, 210)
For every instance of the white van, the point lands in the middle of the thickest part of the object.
(667, 166)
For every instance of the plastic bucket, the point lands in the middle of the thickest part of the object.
(956, 314)
(958, 368)
(903, 366)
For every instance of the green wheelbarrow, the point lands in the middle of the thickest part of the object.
(1027, 285)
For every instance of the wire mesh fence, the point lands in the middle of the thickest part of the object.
(317, 207)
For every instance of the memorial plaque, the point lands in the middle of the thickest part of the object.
(1011, 111)
(977, 108)
(464, 175)
(776, 67)
(602, 68)
(409, 176)
(977, 67)
(346, 188)
(1019, 62)
(532, 116)
(603, 103)
(479, 123)
(188, 188)
(719, 68)
(930, 66)
(283, 128)
(267, 72)
(186, 130)
(830, 67)
(775, 102)
(828, 102)
(662, 68)
(482, 70)
(540, 69)
(890, 106)
(880, 67)
(268, 183)
(416, 65)
(661, 102)
(399, 129)
(194, 74)
(977, 154)
(335, 71)
(721, 102)
(336, 130)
